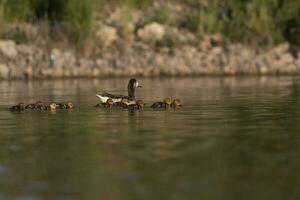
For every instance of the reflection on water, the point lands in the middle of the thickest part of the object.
(234, 138)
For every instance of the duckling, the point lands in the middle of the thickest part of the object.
(40, 106)
(139, 105)
(36, 106)
(68, 105)
(163, 104)
(108, 104)
(61, 106)
(19, 107)
(122, 104)
(176, 103)
(52, 107)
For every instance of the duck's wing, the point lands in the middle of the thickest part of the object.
(104, 96)
(113, 96)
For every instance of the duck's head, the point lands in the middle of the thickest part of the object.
(140, 104)
(52, 106)
(132, 85)
(109, 102)
(176, 103)
(69, 105)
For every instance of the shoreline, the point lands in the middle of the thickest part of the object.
(210, 57)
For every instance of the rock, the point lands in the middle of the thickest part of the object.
(107, 35)
(151, 32)
(8, 48)
(4, 71)
(286, 58)
(283, 48)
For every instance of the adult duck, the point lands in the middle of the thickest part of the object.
(132, 85)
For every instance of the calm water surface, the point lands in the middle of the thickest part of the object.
(235, 138)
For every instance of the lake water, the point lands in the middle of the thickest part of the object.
(235, 138)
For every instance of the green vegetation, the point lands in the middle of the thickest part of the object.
(75, 17)
(257, 22)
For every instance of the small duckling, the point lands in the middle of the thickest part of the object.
(19, 107)
(139, 105)
(40, 106)
(108, 104)
(163, 104)
(52, 107)
(122, 104)
(69, 105)
(36, 106)
(61, 106)
(176, 103)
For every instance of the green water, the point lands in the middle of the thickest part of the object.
(235, 138)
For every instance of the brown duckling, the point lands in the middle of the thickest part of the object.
(122, 104)
(51, 107)
(68, 105)
(163, 104)
(108, 104)
(19, 107)
(36, 106)
(139, 105)
(176, 103)
(61, 106)
(40, 106)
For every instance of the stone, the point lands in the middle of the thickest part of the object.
(107, 35)
(287, 58)
(4, 71)
(151, 32)
(8, 48)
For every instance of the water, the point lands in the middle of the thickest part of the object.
(235, 138)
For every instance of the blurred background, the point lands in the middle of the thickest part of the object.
(128, 37)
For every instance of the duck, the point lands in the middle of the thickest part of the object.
(139, 105)
(108, 104)
(19, 107)
(132, 85)
(166, 103)
(176, 103)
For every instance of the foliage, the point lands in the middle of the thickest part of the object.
(257, 22)
(260, 22)
(74, 16)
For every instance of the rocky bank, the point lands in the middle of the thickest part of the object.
(143, 57)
